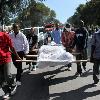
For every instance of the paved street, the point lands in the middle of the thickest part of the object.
(56, 83)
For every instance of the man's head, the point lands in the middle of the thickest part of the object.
(81, 23)
(68, 27)
(15, 28)
(57, 26)
(32, 31)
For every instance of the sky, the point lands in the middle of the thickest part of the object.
(64, 8)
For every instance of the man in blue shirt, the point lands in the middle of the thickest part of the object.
(56, 34)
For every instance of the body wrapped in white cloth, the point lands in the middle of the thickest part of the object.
(53, 55)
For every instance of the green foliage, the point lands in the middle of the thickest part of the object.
(89, 13)
(36, 14)
(10, 9)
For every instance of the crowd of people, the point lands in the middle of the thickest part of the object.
(14, 45)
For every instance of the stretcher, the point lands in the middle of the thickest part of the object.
(53, 55)
(76, 61)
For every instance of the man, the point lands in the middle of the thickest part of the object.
(95, 56)
(56, 34)
(67, 40)
(80, 41)
(22, 47)
(33, 40)
(6, 80)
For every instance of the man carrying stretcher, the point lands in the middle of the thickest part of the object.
(67, 40)
(80, 41)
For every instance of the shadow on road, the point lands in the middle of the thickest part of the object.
(34, 87)
(78, 94)
(61, 80)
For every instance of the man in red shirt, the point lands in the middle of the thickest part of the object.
(6, 80)
(67, 40)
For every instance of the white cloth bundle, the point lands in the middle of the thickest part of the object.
(53, 55)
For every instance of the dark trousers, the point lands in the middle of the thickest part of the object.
(81, 56)
(69, 50)
(6, 79)
(96, 70)
(32, 58)
(18, 65)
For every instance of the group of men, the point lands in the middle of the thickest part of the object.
(73, 39)
(77, 40)
(16, 45)
(13, 46)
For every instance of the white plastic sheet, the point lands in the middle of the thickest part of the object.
(53, 55)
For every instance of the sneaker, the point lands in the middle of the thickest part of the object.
(84, 67)
(96, 83)
(30, 68)
(13, 90)
(6, 96)
(69, 69)
(34, 68)
(18, 83)
(78, 74)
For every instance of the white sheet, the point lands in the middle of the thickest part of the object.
(53, 55)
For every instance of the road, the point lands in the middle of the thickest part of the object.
(56, 83)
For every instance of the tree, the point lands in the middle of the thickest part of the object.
(35, 14)
(12, 8)
(89, 13)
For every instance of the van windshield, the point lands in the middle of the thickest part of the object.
(41, 30)
(26, 31)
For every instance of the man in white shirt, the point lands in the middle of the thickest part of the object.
(21, 45)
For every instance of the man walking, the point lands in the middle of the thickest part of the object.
(33, 43)
(95, 56)
(67, 40)
(6, 80)
(22, 47)
(80, 41)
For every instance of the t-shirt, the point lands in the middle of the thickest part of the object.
(32, 40)
(5, 43)
(56, 35)
(81, 37)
